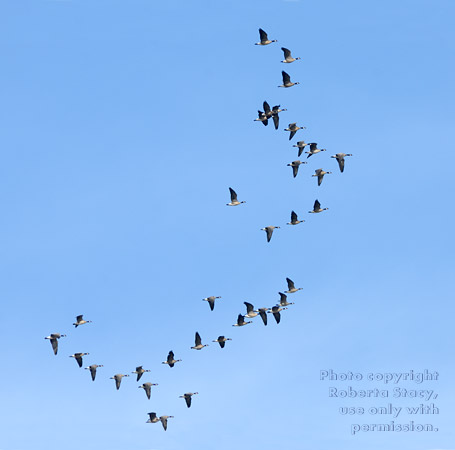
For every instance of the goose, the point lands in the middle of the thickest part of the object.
(250, 312)
(53, 337)
(276, 120)
(264, 38)
(153, 418)
(340, 158)
(118, 379)
(211, 301)
(164, 421)
(300, 145)
(317, 207)
(80, 321)
(234, 201)
(291, 287)
(241, 321)
(147, 388)
(293, 128)
(262, 117)
(170, 359)
(92, 369)
(269, 231)
(222, 340)
(78, 357)
(295, 166)
(262, 313)
(314, 149)
(140, 371)
(276, 313)
(287, 56)
(198, 343)
(320, 174)
(187, 397)
(283, 300)
(287, 83)
(267, 110)
(294, 220)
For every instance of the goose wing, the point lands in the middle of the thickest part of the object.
(286, 77)
(211, 303)
(293, 217)
(93, 372)
(262, 35)
(267, 110)
(317, 205)
(340, 160)
(233, 195)
(263, 316)
(139, 372)
(290, 284)
(78, 358)
(283, 298)
(269, 232)
(188, 400)
(54, 343)
(313, 146)
(148, 389)
(277, 316)
(240, 319)
(152, 416)
(249, 307)
(287, 53)
(295, 169)
(197, 339)
(118, 380)
(164, 422)
(276, 120)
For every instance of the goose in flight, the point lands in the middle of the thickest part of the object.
(287, 56)
(198, 343)
(152, 418)
(53, 337)
(164, 421)
(287, 83)
(147, 388)
(222, 340)
(294, 220)
(340, 158)
(234, 201)
(262, 117)
(317, 207)
(291, 287)
(293, 128)
(140, 371)
(276, 313)
(250, 312)
(92, 369)
(211, 301)
(276, 119)
(320, 174)
(187, 397)
(78, 357)
(264, 40)
(170, 359)
(300, 145)
(314, 149)
(262, 313)
(80, 321)
(295, 166)
(241, 321)
(283, 300)
(269, 231)
(118, 379)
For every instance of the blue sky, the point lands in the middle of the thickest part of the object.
(123, 125)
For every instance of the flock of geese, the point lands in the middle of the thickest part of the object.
(251, 312)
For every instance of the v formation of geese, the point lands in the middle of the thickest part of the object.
(251, 313)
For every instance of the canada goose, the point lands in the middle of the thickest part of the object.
(340, 158)
(140, 371)
(187, 397)
(147, 388)
(291, 287)
(293, 128)
(80, 321)
(267, 110)
(118, 379)
(317, 207)
(314, 149)
(153, 418)
(269, 231)
(264, 39)
(276, 313)
(320, 174)
(211, 301)
(170, 359)
(222, 340)
(78, 357)
(300, 145)
(92, 369)
(262, 117)
(250, 312)
(241, 321)
(283, 300)
(276, 120)
(295, 166)
(198, 343)
(234, 201)
(287, 56)
(53, 337)
(262, 313)
(164, 421)
(294, 220)
(287, 80)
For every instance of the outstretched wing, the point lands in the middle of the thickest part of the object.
(287, 53)
(292, 134)
(286, 77)
(293, 217)
(269, 233)
(313, 146)
(262, 35)
(54, 343)
(188, 400)
(93, 372)
(267, 110)
(152, 416)
(233, 195)
(79, 360)
(276, 120)
(211, 304)
(317, 205)
(295, 170)
(290, 284)
(148, 390)
(249, 307)
(197, 339)
(340, 160)
(263, 317)
(283, 298)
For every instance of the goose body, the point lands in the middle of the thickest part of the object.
(320, 174)
(317, 208)
(234, 201)
(211, 301)
(241, 321)
(264, 39)
(80, 321)
(293, 128)
(287, 56)
(295, 167)
(291, 287)
(276, 313)
(340, 158)
(300, 145)
(294, 220)
(139, 372)
(222, 340)
(147, 388)
(170, 359)
(250, 312)
(314, 149)
(187, 397)
(78, 357)
(118, 379)
(287, 83)
(269, 231)
(92, 369)
(53, 338)
(198, 342)
(164, 421)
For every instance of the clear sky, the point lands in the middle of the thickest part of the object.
(124, 123)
